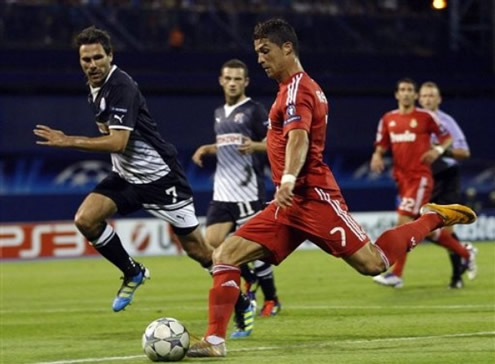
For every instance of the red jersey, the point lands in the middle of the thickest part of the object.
(408, 136)
(300, 104)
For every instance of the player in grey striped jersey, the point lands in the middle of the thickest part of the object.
(239, 191)
(146, 173)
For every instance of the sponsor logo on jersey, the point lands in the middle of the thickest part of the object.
(406, 137)
(229, 139)
(413, 123)
(392, 124)
(120, 118)
(217, 120)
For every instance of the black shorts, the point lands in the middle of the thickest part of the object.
(169, 198)
(447, 186)
(235, 212)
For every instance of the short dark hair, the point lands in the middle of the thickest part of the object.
(277, 31)
(235, 63)
(406, 80)
(92, 35)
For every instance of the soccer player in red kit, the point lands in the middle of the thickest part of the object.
(308, 203)
(407, 132)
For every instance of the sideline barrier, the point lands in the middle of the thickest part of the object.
(150, 236)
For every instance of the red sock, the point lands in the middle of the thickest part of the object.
(399, 265)
(397, 241)
(448, 241)
(223, 296)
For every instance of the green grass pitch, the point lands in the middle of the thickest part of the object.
(59, 311)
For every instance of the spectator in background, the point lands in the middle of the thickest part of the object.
(407, 131)
(446, 173)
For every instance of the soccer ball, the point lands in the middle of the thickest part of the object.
(165, 339)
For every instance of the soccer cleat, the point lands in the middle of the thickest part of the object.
(129, 286)
(390, 280)
(244, 322)
(469, 265)
(456, 284)
(451, 214)
(203, 349)
(270, 308)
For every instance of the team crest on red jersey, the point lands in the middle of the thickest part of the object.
(413, 123)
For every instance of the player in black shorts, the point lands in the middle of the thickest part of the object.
(239, 191)
(146, 173)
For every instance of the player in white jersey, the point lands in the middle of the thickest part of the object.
(239, 191)
(146, 173)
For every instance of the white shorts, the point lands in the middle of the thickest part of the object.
(181, 218)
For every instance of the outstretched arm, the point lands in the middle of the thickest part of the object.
(114, 142)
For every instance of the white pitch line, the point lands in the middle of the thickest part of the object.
(93, 360)
(286, 307)
(372, 341)
(267, 348)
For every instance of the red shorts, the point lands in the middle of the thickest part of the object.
(414, 193)
(325, 222)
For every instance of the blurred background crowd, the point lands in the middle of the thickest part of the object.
(362, 26)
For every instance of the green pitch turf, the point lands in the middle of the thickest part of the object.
(60, 312)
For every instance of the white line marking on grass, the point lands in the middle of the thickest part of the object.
(281, 347)
(93, 360)
(286, 307)
(387, 307)
(371, 341)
